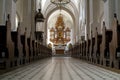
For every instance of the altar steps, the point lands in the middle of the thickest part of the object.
(61, 55)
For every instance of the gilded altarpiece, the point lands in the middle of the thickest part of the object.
(60, 34)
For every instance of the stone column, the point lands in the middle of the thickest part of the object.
(117, 9)
(87, 20)
(109, 10)
(10, 8)
(90, 16)
(27, 17)
(33, 18)
(2, 12)
(94, 14)
(100, 16)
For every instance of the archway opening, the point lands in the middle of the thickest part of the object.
(52, 23)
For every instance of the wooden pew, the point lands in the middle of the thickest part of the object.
(73, 52)
(4, 54)
(87, 48)
(92, 50)
(40, 51)
(24, 51)
(39, 55)
(84, 50)
(46, 52)
(16, 52)
(49, 51)
(29, 48)
(79, 50)
(92, 43)
(98, 40)
(33, 45)
(20, 45)
(25, 58)
(6, 46)
(36, 49)
(115, 45)
(26, 46)
(104, 47)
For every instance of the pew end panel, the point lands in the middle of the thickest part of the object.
(98, 40)
(114, 46)
(14, 35)
(104, 47)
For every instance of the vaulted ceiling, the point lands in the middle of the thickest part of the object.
(48, 8)
(73, 13)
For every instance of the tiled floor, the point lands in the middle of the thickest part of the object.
(60, 68)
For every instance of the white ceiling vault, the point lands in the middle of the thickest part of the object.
(47, 6)
(66, 17)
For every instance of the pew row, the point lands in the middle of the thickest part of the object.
(103, 49)
(114, 45)
(87, 48)
(92, 42)
(17, 49)
(6, 46)
(104, 46)
(96, 53)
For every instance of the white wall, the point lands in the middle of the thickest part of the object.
(117, 6)
(2, 12)
(109, 10)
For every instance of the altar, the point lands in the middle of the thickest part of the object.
(59, 49)
(60, 35)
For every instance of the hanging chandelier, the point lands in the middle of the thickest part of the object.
(60, 2)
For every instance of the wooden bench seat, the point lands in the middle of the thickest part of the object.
(84, 50)
(33, 46)
(6, 46)
(29, 49)
(114, 45)
(16, 52)
(87, 49)
(104, 47)
(24, 51)
(92, 56)
(3, 45)
(98, 40)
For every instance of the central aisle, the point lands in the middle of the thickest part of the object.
(60, 68)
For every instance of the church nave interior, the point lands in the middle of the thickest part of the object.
(59, 40)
